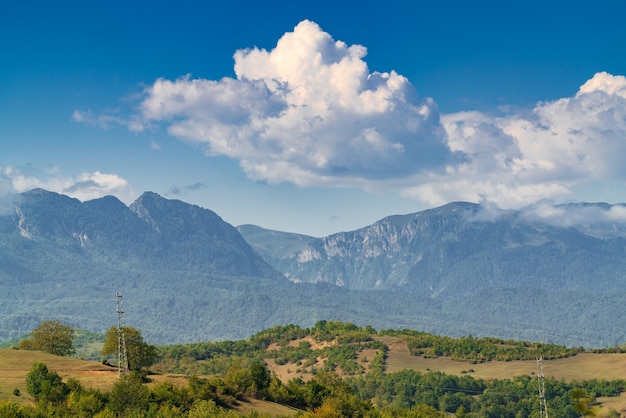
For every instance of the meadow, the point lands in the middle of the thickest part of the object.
(585, 366)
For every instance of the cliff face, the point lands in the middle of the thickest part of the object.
(458, 249)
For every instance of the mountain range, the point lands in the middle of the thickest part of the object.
(545, 273)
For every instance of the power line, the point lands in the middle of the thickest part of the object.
(543, 406)
(122, 357)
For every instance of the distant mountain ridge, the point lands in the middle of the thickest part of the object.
(63, 258)
(163, 231)
(554, 274)
(457, 249)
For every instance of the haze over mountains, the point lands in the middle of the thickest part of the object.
(553, 274)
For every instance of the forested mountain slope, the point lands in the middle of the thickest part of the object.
(63, 258)
(508, 273)
(457, 249)
(186, 275)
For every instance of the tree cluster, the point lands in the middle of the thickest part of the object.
(479, 349)
(375, 395)
(239, 372)
(139, 353)
(51, 337)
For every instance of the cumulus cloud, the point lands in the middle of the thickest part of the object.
(309, 112)
(546, 152)
(86, 186)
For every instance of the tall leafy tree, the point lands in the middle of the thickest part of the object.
(128, 394)
(140, 354)
(52, 337)
(45, 384)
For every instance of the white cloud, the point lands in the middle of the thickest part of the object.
(108, 118)
(309, 112)
(574, 214)
(86, 186)
(545, 152)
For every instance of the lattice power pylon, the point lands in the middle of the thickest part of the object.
(543, 406)
(122, 357)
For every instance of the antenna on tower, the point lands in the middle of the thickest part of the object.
(122, 357)
(543, 406)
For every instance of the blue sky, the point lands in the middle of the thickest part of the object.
(315, 117)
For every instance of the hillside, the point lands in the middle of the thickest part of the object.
(459, 249)
(65, 259)
(15, 364)
(393, 369)
(507, 273)
(339, 365)
(288, 369)
(186, 275)
(273, 246)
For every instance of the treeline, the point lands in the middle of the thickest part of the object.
(470, 397)
(131, 397)
(479, 349)
(325, 395)
(345, 341)
(375, 395)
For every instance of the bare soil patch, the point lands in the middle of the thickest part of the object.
(315, 345)
(289, 371)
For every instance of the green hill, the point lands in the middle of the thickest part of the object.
(336, 368)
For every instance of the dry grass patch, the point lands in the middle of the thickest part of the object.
(287, 372)
(15, 365)
(364, 357)
(617, 403)
(584, 366)
(264, 407)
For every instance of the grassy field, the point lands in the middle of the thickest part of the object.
(15, 364)
(264, 407)
(583, 366)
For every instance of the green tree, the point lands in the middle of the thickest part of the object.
(203, 408)
(128, 394)
(261, 378)
(425, 411)
(11, 409)
(43, 384)
(583, 402)
(140, 354)
(84, 404)
(51, 337)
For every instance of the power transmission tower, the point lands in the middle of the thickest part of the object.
(543, 406)
(122, 357)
